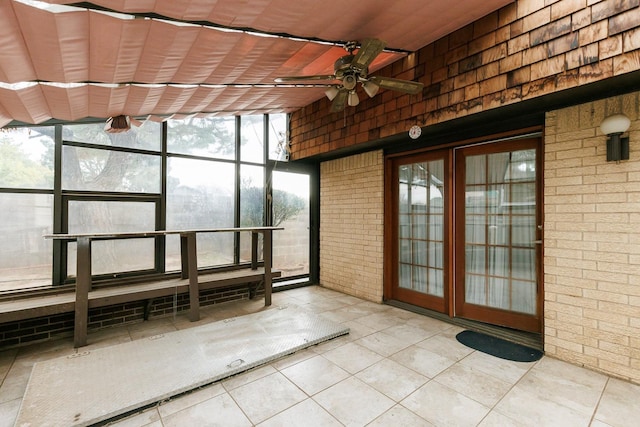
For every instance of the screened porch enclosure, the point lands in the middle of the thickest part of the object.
(197, 173)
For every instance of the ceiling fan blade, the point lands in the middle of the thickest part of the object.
(340, 101)
(368, 51)
(397, 84)
(303, 78)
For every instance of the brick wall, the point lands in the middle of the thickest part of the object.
(592, 240)
(351, 225)
(525, 50)
(13, 334)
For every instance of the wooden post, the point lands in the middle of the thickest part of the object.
(194, 288)
(83, 286)
(267, 267)
(184, 257)
(254, 250)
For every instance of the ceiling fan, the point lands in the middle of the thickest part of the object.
(353, 68)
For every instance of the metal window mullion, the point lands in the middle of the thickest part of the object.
(59, 262)
(236, 204)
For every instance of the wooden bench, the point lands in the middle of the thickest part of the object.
(83, 297)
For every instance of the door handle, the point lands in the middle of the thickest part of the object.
(537, 242)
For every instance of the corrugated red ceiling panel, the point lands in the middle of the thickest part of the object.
(77, 45)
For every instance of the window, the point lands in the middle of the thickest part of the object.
(195, 173)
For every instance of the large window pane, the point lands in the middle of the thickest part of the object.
(26, 158)
(144, 137)
(105, 170)
(278, 141)
(113, 256)
(251, 206)
(25, 256)
(200, 195)
(252, 139)
(203, 137)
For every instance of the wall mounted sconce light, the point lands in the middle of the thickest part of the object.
(617, 146)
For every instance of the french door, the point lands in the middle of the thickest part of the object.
(420, 224)
(465, 232)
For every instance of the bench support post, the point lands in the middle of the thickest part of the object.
(192, 264)
(254, 250)
(83, 285)
(267, 267)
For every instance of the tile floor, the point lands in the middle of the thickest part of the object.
(395, 368)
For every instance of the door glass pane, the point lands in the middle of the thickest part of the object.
(291, 211)
(421, 221)
(500, 258)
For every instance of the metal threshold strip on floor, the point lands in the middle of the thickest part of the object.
(519, 337)
(93, 386)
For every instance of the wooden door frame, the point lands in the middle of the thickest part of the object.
(442, 305)
(390, 226)
(520, 321)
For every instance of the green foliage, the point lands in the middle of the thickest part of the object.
(18, 165)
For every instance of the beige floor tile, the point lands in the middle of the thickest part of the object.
(9, 412)
(392, 379)
(219, 411)
(620, 404)
(358, 330)
(193, 398)
(379, 321)
(496, 419)
(422, 361)
(409, 333)
(399, 416)
(446, 346)
(505, 370)
(14, 386)
(263, 398)
(443, 406)
(7, 357)
(353, 402)
(474, 384)
(352, 357)
(537, 410)
(347, 299)
(565, 384)
(306, 413)
(382, 343)
(315, 374)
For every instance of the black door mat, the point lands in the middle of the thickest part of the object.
(498, 347)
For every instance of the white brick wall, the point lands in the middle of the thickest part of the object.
(592, 240)
(351, 225)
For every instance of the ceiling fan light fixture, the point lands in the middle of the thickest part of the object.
(332, 92)
(370, 88)
(353, 99)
